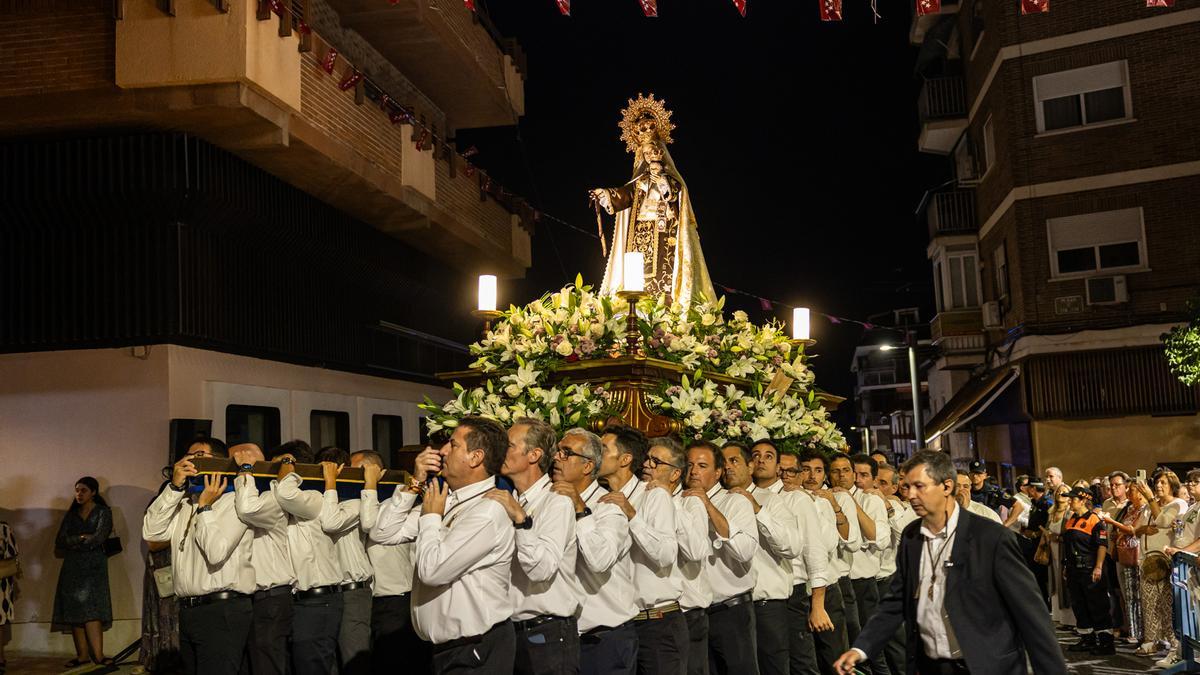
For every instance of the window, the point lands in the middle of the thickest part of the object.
(387, 433)
(1000, 269)
(957, 273)
(989, 145)
(252, 424)
(1096, 243)
(1082, 97)
(329, 427)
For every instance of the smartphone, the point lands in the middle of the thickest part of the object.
(1141, 475)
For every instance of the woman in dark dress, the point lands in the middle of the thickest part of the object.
(82, 601)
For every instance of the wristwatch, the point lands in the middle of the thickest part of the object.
(246, 468)
(287, 460)
(525, 524)
(202, 509)
(584, 513)
(178, 488)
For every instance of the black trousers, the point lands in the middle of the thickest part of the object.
(1089, 600)
(850, 608)
(212, 637)
(493, 653)
(895, 651)
(771, 636)
(832, 644)
(1041, 573)
(551, 648)
(271, 632)
(866, 597)
(315, 634)
(662, 644)
(392, 633)
(609, 651)
(732, 648)
(928, 666)
(697, 651)
(802, 648)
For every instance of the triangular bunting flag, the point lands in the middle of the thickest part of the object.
(928, 7)
(564, 7)
(740, 5)
(1035, 6)
(831, 10)
(649, 7)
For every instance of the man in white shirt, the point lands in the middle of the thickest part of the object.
(317, 599)
(340, 520)
(210, 562)
(392, 630)
(608, 639)
(273, 574)
(545, 592)
(733, 532)
(842, 537)
(779, 542)
(963, 496)
(660, 626)
(811, 571)
(877, 536)
(462, 598)
(665, 465)
(899, 516)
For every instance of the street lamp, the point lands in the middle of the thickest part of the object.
(918, 424)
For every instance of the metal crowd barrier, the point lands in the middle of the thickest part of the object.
(1185, 590)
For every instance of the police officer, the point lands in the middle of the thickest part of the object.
(984, 492)
(1085, 546)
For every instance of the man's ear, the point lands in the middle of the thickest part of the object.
(475, 457)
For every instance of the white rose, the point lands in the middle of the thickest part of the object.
(564, 348)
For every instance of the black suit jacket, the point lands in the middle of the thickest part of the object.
(992, 599)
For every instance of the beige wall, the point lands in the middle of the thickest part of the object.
(1094, 447)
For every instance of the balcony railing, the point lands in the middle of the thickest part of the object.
(957, 322)
(952, 212)
(943, 98)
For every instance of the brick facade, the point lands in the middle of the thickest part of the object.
(52, 46)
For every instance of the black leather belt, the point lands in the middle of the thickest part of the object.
(272, 592)
(469, 640)
(219, 596)
(658, 612)
(763, 603)
(354, 585)
(317, 591)
(595, 634)
(731, 602)
(538, 621)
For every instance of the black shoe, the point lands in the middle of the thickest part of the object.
(1104, 645)
(1086, 644)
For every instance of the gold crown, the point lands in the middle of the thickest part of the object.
(637, 109)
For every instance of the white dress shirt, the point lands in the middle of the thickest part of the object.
(853, 541)
(463, 560)
(1022, 520)
(730, 567)
(339, 520)
(981, 510)
(261, 512)
(902, 515)
(778, 541)
(604, 569)
(313, 556)
(210, 551)
(818, 540)
(829, 539)
(691, 532)
(655, 546)
(543, 571)
(392, 563)
(865, 563)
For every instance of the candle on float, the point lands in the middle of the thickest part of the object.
(800, 327)
(487, 292)
(634, 271)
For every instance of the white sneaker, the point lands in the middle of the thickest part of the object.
(1169, 660)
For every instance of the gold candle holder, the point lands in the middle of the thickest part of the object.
(488, 316)
(632, 334)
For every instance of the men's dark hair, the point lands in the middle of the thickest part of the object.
(332, 453)
(835, 456)
(718, 458)
(868, 460)
(296, 448)
(963, 472)
(809, 454)
(745, 452)
(540, 435)
(370, 457)
(895, 474)
(674, 447)
(767, 442)
(630, 442)
(1193, 474)
(937, 464)
(489, 436)
(216, 447)
(1021, 481)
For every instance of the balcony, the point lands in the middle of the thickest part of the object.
(921, 24)
(454, 56)
(958, 331)
(942, 108)
(951, 212)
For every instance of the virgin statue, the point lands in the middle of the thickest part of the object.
(653, 212)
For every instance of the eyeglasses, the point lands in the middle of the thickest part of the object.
(654, 462)
(1192, 483)
(791, 473)
(565, 453)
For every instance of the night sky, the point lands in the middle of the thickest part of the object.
(797, 140)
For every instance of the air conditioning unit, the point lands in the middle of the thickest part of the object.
(1107, 290)
(991, 315)
(966, 164)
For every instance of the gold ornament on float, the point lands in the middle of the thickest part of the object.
(644, 121)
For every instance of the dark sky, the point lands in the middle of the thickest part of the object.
(797, 140)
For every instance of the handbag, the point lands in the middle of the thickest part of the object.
(1042, 555)
(1156, 567)
(112, 546)
(1127, 550)
(9, 567)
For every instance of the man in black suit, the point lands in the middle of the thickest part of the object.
(962, 590)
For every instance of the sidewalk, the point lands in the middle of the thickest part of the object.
(53, 665)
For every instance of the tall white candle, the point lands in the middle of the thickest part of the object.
(800, 328)
(487, 292)
(634, 271)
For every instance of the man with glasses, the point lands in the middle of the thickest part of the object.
(608, 642)
(839, 532)
(661, 629)
(665, 465)
(1118, 485)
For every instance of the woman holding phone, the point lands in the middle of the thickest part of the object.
(1165, 509)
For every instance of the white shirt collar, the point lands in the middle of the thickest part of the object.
(630, 487)
(775, 487)
(537, 488)
(951, 525)
(467, 491)
(712, 491)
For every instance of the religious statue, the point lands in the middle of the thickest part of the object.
(653, 212)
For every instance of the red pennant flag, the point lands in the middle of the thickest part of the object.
(276, 6)
(649, 7)
(470, 4)
(765, 304)
(329, 60)
(350, 79)
(928, 7)
(1160, 3)
(831, 10)
(740, 5)
(564, 7)
(1035, 6)
(304, 28)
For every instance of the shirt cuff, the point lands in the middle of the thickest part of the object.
(368, 494)
(861, 653)
(403, 498)
(429, 521)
